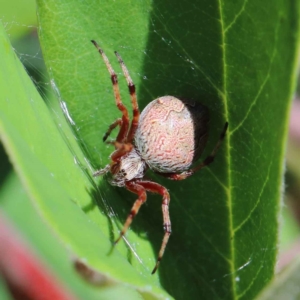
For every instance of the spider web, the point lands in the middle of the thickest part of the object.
(34, 64)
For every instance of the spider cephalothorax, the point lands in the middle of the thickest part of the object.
(130, 166)
(168, 137)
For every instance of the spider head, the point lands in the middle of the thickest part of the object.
(130, 166)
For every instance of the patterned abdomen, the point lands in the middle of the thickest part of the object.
(171, 134)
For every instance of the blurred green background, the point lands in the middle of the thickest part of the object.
(20, 21)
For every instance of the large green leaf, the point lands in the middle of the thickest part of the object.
(237, 58)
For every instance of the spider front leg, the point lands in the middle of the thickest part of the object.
(101, 171)
(140, 187)
(121, 150)
(111, 127)
(135, 188)
(208, 160)
(159, 189)
(134, 103)
(114, 79)
(117, 153)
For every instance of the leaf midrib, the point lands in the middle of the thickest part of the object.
(227, 141)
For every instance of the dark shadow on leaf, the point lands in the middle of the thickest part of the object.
(183, 59)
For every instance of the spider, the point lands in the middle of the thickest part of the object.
(167, 137)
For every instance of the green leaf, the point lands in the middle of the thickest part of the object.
(17, 206)
(236, 58)
(43, 155)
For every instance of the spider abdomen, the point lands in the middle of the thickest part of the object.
(171, 134)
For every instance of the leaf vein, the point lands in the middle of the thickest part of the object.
(236, 16)
(267, 77)
(238, 227)
(196, 225)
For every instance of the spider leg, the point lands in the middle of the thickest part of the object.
(208, 160)
(136, 188)
(131, 88)
(101, 171)
(125, 118)
(111, 127)
(140, 188)
(121, 149)
(159, 189)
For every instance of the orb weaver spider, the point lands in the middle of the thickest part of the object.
(167, 137)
